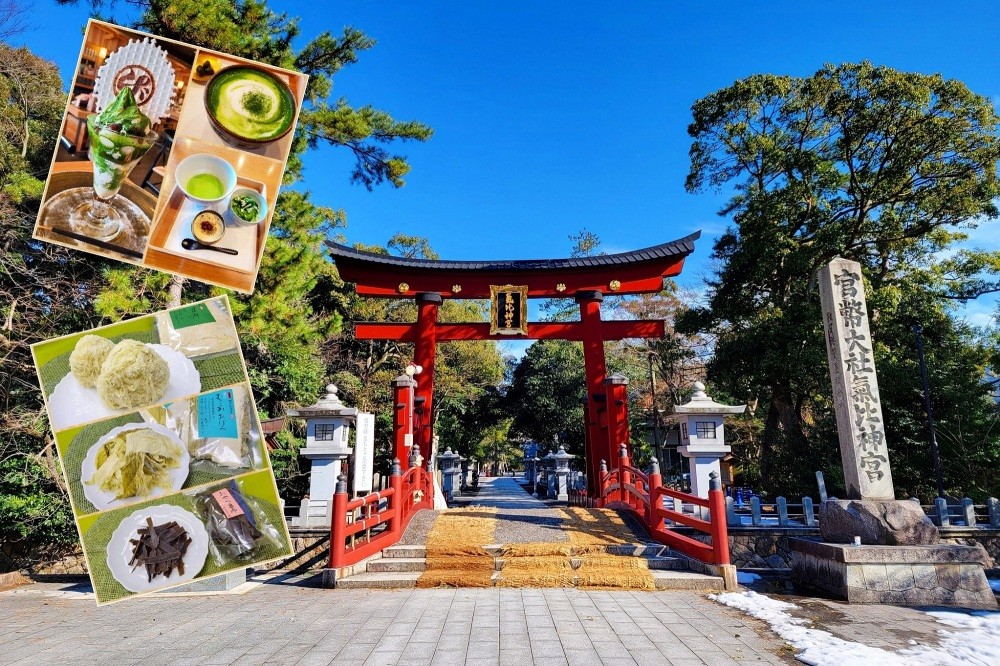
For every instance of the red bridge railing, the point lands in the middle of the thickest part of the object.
(364, 526)
(644, 496)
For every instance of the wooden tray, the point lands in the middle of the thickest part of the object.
(176, 219)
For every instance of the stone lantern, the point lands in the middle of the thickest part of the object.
(450, 473)
(549, 461)
(328, 425)
(703, 439)
(562, 474)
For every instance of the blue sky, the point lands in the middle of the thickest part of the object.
(555, 116)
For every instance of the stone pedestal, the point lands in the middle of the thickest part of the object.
(903, 575)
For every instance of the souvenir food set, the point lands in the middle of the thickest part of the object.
(162, 451)
(177, 157)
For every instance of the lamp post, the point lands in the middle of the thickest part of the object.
(935, 454)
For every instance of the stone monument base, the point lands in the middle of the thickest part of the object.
(903, 575)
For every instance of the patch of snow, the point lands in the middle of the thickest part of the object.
(978, 643)
(744, 578)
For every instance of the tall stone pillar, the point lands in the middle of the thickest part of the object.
(849, 348)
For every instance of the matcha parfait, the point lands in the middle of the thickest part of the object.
(119, 136)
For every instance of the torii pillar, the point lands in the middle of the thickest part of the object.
(594, 361)
(424, 348)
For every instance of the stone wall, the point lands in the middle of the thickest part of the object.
(767, 547)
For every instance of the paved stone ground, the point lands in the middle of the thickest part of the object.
(293, 621)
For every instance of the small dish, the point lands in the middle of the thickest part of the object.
(208, 227)
(207, 179)
(241, 194)
(103, 499)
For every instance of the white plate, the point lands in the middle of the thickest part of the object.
(120, 550)
(104, 499)
(71, 403)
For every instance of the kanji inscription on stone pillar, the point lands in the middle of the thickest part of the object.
(863, 449)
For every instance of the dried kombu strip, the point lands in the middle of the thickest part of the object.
(160, 548)
(231, 522)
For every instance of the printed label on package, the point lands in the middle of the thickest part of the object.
(217, 415)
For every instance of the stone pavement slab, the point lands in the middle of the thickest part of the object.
(292, 620)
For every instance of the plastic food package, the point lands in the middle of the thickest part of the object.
(237, 525)
(218, 426)
(198, 330)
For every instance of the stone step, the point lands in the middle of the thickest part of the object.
(654, 563)
(380, 580)
(686, 580)
(405, 551)
(663, 580)
(395, 564)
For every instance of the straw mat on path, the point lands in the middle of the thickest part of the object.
(455, 553)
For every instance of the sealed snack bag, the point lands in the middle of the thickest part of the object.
(237, 525)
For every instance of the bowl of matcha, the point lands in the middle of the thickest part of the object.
(249, 104)
(205, 178)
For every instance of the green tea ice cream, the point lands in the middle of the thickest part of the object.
(88, 357)
(133, 375)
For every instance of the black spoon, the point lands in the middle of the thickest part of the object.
(192, 244)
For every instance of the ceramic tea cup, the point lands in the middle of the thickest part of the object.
(205, 178)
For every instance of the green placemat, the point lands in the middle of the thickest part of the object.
(205, 471)
(53, 371)
(219, 371)
(95, 543)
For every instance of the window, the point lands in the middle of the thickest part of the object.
(324, 432)
(706, 429)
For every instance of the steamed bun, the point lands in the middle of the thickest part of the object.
(133, 375)
(88, 357)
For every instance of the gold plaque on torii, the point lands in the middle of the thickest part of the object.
(508, 310)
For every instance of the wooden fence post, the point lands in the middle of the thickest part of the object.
(717, 514)
(655, 481)
(338, 524)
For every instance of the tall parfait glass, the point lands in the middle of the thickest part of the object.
(117, 143)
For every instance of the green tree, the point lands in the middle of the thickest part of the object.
(546, 394)
(45, 292)
(869, 163)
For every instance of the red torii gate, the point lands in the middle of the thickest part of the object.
(508, 284)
